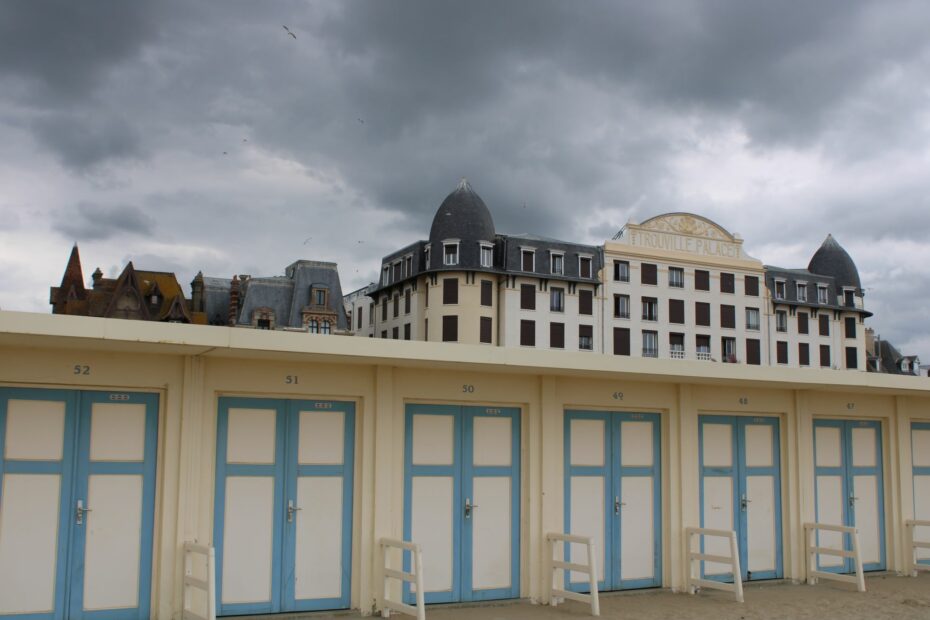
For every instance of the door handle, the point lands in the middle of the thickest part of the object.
(79, 511)
(291, 510)
(852, 500)
(468, 507)
(618, 504)
(744, 503)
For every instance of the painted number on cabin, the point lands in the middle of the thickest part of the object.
(618, 395)
(468, 389)
(81, 369)
(743, 400)
(291, 380)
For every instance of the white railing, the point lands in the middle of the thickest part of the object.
(703, 356)
(913, 545)
(695, 581)
(555, 540)
(415, 577)
(812, 551)
(207, 585)
(677, 354)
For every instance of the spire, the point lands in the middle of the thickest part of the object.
(463, 185)
(72, 284)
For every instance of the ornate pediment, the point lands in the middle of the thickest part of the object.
(687, 224)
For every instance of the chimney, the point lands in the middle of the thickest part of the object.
(233, 301)
(197, 293)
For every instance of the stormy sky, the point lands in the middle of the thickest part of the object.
(189, 136)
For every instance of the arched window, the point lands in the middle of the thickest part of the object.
(314, 326)
(324, 329)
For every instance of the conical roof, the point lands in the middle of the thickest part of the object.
(832, 260)
(462, 215)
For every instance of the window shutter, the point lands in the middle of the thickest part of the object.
(727, 316)
(701, 280)
(527, 296)
(727, 284)
(450, 328)
(621, 341)
(557, 335)
(585, 302)
(702, 313)
(648, 274)
(528, 333)
(676, 311)
(450, 290)
(751, 285)
(486, 326)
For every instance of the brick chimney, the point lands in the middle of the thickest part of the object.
(233, 301)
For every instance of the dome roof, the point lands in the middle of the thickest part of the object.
(462, 215)
(832, 260)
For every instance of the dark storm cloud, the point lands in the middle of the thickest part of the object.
(96, 222)
(84, 140)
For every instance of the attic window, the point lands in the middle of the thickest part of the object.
(318, 296)
(822, 295)
(325, 327)
(557, 261)
(450, 253)
(426, 256)
(154, 298)
(487, 255)
(779, 289)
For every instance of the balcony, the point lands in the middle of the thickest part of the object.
(650, 352)
(702, 355)
(677, 354)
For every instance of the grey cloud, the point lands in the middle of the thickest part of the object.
(82, 141)
(95, 222)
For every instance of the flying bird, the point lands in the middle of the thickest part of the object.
(307, 239)
(361, 121)
(289, 32)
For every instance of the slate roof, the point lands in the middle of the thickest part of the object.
(287, 295)
(462, 215)
(832, 260)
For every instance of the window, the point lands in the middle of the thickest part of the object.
(702, 346)
(585, 302)
(426, 256)
(753, 353)
(527, 296)
(359, 322)
(396, 305)
(728, 346)
(728, 316)
(751, 286)
(802, 323)
(650, 344)
(822, 295)
(450, 290)
(676, 311)
(426, 292)
(371, 313)
(484, 327)
(396, 272)
(802, 291)
(752, 318)
(584, 266)
(585, 337)
(648, 274)
(849, 298)
(487, 293)
(384, 333)
(676, 346)
(825, 355)
(804, 354)
(395, 333)
(319, 296)
(450, 328)
(450, 253)
(385, 276)
(850, 327)
(557, 335)
(406, 331)
(528, 259)
(702, 314)
(487, 255)
(407, 301)
(557, 299)
(676, 277)
(622, 306)
(325, 327)
(781, 321)
(313, 326)
(650, 309)
(621, 341)
(824, 324)
(701, 280)
(727, 285)
(621, 271)
(779, 289)
(527, 333)
(408, 266)
(384, 302)
(852, 358)
(263, 323)
(425, 329)
(781, 352)
(556, 263)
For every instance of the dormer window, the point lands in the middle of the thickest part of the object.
(905, 366)
(154, 299)
(426, 256)
(528, 260)
(408, 266)
(779, 289)
(325, 327)
(487, 255)
(584, 266)
(849, 298)
(313, 326)
(385, 276)
(557, 260)
(822, 297)
(318, 296)
(450, 253)
(802, 291)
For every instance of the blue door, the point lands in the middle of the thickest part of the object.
(283, 508)
(462, 500)
(920, 457)
(741, 491)
(849, 490)
(76, 503)
(613, 493)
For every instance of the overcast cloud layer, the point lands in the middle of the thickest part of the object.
(193, 136)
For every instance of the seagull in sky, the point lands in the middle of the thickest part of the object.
(307, 239)
(361, 121)
(289, 32)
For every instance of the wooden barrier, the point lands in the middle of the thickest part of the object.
(696, 581)
(812, 551)
(554, 539)
(206, 585)
(415, 577)
(913, 545)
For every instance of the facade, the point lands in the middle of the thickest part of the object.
(294, 457)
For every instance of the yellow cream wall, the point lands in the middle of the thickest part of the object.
(189, 386)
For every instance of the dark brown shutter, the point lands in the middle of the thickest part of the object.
(557, 335)
(727, 316)
(487, 292)
(407, 301)
(676, 311)
(727, 284)
(824, 355)
(585, 267)
(450, 290)
(527, 261)
(824, 324)
(585, 337)
(648, 274)
(702, 313)
(528, 333)
(396, 304)
(527, 296)
(486, 325)
(753, 352)
(804, 354)
(850, 328)
(395, 333)
(781, 352)
(450, 328)
(802, 322)
(406, 331)
(384, 308)
(751, 285)
(852, 357)
(621, 341)
(701, 280)
(585, 302)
